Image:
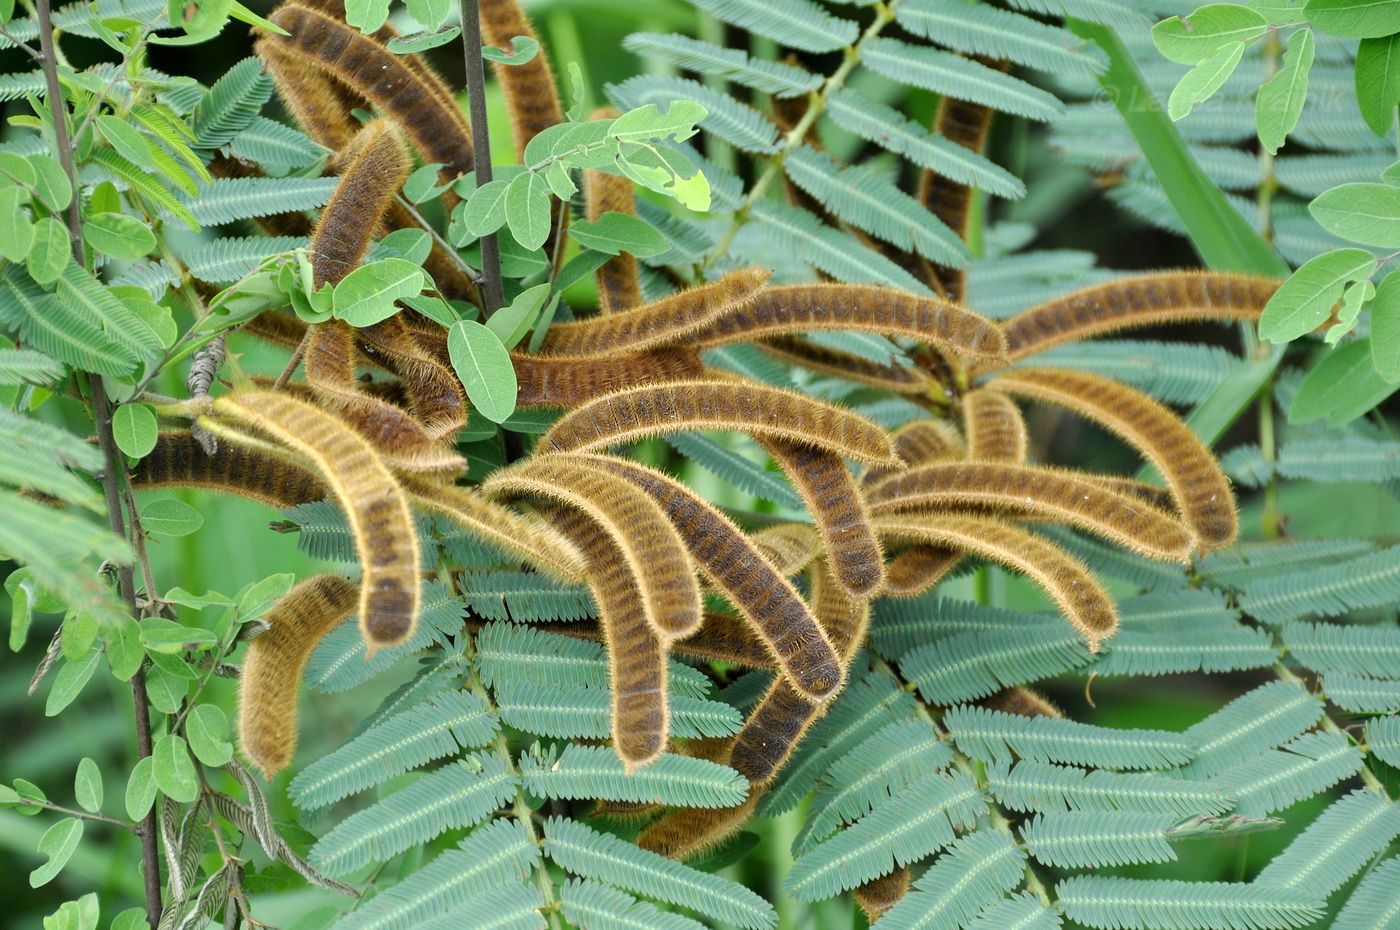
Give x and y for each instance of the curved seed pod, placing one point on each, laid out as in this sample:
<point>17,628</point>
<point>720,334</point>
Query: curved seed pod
<point>568,382</point>
<point>664,322</point>
<point>1056,494</point>
<point>1127,303</point>
<point>837,507</point>
<point>917,569</point>
<point>995,429</point>
<point>267,689</point>
<point>791,547</point>
<point>898,378</point>
<point>1068,582</point>
<point>531,541</point>
<point>320,105</point>
<point>876,897</point>
<point>179,461</point>
<point>374,168</point>
<point>529,89</point>
<point>720,404</point>
<point>330,359</point>
<point>371,71</point>
<point>967,124</point>
<point>1022,701</point>
<point>654,551</point>
<point>1150,494</point>
<point>1200,488</point>
<point>619,285</point>
<point>636,654</point>
<point>724,638</point>
<point>376,507</point>
<point>280,329</point>
<point>918,443</point>
<point>801,308</point>
<point>770,604</point>
<point>434,393</point>
<point>775,726</point>
<point>687,832</point>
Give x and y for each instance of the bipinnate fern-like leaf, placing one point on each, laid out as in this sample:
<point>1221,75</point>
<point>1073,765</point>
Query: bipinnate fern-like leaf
<point>599,907</point>
<point>653,551</point>
<point>801,648</point>
<point>977,871</point>
<point>994,427</point>
<point>1361,694</point>
<point>1055,494</point>
<point>1128,303</point>
<point>1194,476</point>
<point>568,381</point>
<point>438,130</point>
<point>1375,904</point>
<point>1278,778</point>
<point>178,460</point>
<point>268,690</point>
<point>1000,34</point>
<point>1094,839</point>
<point>1369,580</point>
<point>975,665</point>
<point>594,772</point>
<point>804,308</point>
<point>1137,904</point>
<point>681,406</point>
<point>916,823</point>
<point>377,508</point>
<point>960,78</point>
<point>1050,788</point>
<point>374,167</point>
<point>1335,846</point>
<point>588,854</point>
<point>993,736</point>
<point>1252,723</point>
<point>665,322</point>
<point>438,727</point>
<point>460,794</point>
<point>1068,582</point>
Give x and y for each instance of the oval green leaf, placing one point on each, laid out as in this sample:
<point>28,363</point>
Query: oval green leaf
<point>135,430</point>
<point>1364,212</point>
<point>1306,299</point>
<point>483,365</point>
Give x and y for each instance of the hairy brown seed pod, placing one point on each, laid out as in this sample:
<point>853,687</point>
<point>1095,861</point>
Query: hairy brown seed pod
<point>678,406</point>
<point>837,507</point>
<point>1048,493</point>
<point>791,547</point>
<point>995,429</point>
<point>794,637</point>
<point>1068,582</point>
<point>371,71</point>
<point>374,167</point>
<point>1144,300</point>
<point>177,460</point>
<point>280,329</point>
<point>1022,701</point>
<point>531,98</point>
<point>664,322</point>
<point>320,104</point>
<point>434,393</point>
<point>267,690</point>
<point>800,308</point>
<point>570,381</point>
<point>636,654</point>
<point>645,539</point>
<point>330,370</point>
<point>1200,488</point>
<point>386,539</point>
<point>1161,498</point>
<point>919,443</point>
<point>619,284</point>
<point>917,569</point>
<point>878,896</point>
<point>528,539</point>
<point>900,379</point>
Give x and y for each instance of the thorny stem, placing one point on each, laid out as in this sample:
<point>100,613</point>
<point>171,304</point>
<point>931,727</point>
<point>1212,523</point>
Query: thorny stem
<point>114,473</point>
<point>884,15</point>
<point>492,296</point>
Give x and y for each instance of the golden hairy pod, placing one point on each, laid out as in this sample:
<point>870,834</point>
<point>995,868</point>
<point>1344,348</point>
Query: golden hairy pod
<point>901,379</point>
<point>686,832</point>
<point>330,361</point>
<point>636,654</point>
<point>801,308</point>
<point>435,125</point>
<point>567,381</point>
<point>619,282</point>
<point>372,170</point>
<point>839,510</point>
<point>919,443</point>
<point>1022,701</point>
<point>718,404</point>
<point>433,391</point>
<point>531,97</point>
<point>1045,493</point>
<point>917,569</point>
<point>374,504</point>
<point>1200,488</point>
<point>267,689</point>
<point>530,540</point>
<point>320,104</point>
<point>791,547</point>
<point>994,427</point>
<point>1144,300</point>
<point>799,648</point>
<point>726,638</point>
<point>642,535</point>
<point>878,896</point>
<point>1068,582</point>
<point>178,461</point>
<point>668,321</point>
